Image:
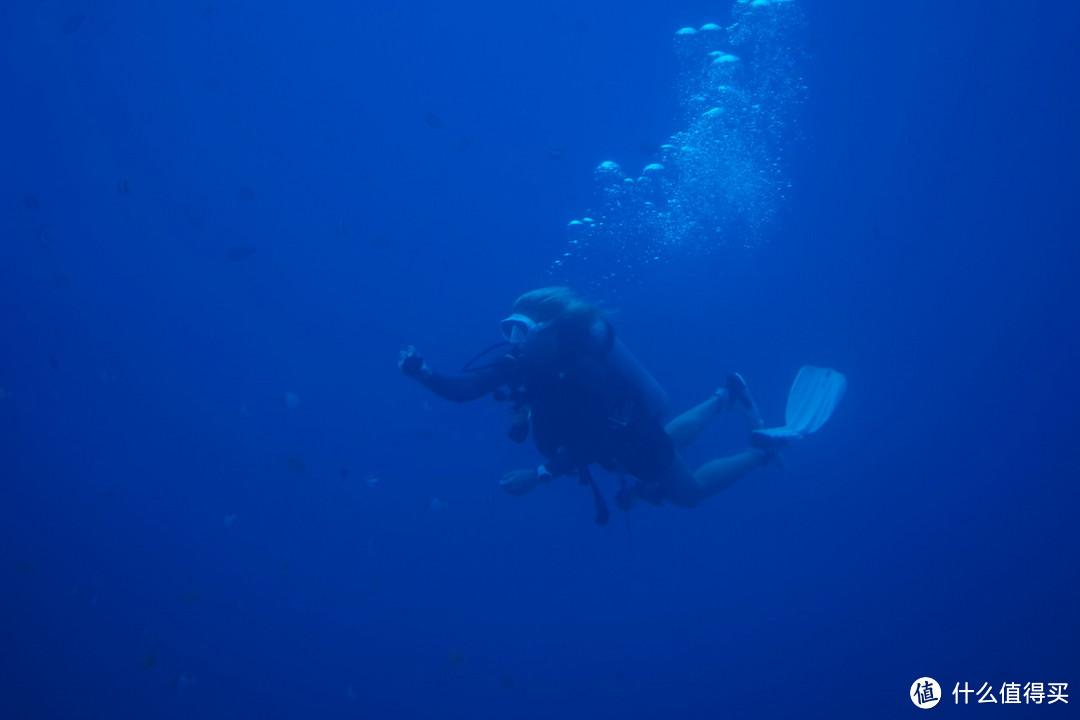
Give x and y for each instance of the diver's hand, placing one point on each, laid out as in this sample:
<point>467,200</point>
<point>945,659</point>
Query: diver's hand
<point>412,365</point>
<point>519,482</point>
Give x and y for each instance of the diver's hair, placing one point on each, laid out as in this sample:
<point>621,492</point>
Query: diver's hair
<point>573,316</point>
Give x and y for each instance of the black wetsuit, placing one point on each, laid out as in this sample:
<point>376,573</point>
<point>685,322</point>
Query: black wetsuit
<point>581,413</point>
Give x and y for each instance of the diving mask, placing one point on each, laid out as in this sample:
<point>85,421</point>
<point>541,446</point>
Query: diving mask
<point>518,328</point>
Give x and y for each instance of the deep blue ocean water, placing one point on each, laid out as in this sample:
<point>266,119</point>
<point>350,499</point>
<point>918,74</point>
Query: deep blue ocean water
<point>208,205</point>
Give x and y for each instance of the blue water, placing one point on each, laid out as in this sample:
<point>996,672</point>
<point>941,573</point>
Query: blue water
<point>208,205</point>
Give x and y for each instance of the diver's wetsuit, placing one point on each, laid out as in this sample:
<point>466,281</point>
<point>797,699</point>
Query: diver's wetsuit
<point>581,413</point>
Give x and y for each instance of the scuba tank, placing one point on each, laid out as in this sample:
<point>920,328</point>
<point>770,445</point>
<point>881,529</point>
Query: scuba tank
<point>618,360</point>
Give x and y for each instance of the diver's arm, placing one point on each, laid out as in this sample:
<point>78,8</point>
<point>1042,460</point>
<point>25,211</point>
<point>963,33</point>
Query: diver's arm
<point>456,388</point>
<point>519,482</point>
<point>464,388</point>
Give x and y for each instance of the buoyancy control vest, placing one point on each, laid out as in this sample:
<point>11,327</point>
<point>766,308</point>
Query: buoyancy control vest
<point>573,401</point>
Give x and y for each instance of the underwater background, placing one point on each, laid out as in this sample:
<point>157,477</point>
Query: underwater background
<point>223,220</point>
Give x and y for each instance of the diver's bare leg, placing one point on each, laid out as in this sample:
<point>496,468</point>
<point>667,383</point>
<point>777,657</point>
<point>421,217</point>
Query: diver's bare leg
<point>722,473</point>
<point>687,489</point>
<point>685,428</point>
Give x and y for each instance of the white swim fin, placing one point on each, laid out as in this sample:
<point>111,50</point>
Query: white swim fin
<point>814,395</point>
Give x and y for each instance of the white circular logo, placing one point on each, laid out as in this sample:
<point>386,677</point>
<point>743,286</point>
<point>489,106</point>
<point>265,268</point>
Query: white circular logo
<point>925,693</point>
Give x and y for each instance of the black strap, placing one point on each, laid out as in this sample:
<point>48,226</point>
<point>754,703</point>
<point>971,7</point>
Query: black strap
<point>468,367</point>
<point>602,512</point>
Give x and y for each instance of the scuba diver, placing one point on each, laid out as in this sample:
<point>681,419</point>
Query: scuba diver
<point>588,401</point>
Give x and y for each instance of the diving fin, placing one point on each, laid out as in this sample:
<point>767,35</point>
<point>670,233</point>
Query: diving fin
<point>813,396</point>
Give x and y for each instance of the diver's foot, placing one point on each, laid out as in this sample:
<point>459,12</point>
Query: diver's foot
<point>765,457</point>
<point>772,439</point>
<point>740,398</point>
<point>769,444</point>
<point>723,399</point>
<point>769,456</point>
